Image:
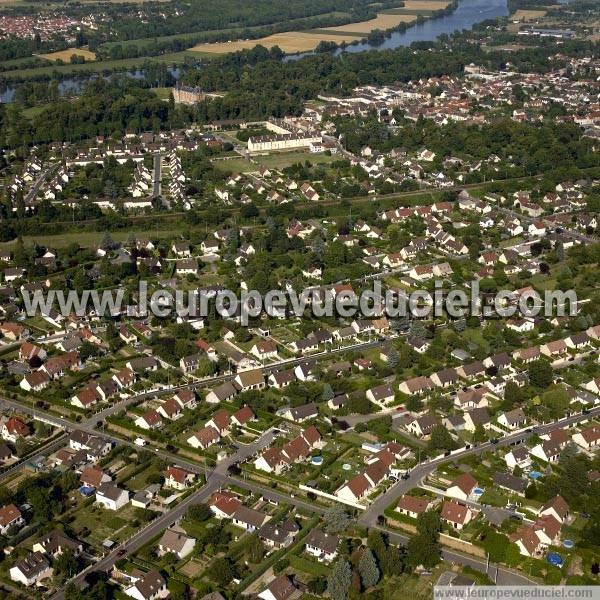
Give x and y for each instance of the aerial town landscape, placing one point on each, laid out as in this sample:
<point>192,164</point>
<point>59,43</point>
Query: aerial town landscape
<point>281,163</point>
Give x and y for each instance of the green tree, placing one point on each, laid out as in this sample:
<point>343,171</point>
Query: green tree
<point>221,571</point>
<point>540,373</point>
<point>556,402</point>
<point>66,565</point>
<point>367,568</point>
<point>495,544</point>
<point>441,439</point>
<point>328,393</point>
<point>199,512</point>
<point>255,550</point>
<point>414,404</point>
<point>393,358</point>
<point>339,580</point>
<point>424,547</point>
<point>336,519</point>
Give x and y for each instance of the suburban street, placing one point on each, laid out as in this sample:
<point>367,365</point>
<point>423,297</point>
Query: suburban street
<point>503,576</point>
<point>92,422</point>
<point>370,516</point>
<point>219,477</point>
<point>156,187</point>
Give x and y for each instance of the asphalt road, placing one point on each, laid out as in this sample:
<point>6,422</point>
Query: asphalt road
<point>90,423</point>
<point>33,191</point>
<point>157,176</point>
<point>215,479</point>
<point>581,237</point>
<point>370,516</point>
<point>218,477</point>
<point>499,574</point>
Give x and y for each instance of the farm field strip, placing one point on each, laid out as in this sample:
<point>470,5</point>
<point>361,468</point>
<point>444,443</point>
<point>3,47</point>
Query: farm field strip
<point>65,55</point>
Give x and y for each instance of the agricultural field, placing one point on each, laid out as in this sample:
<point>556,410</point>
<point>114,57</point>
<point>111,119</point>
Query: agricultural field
<point>382,22</point>
<point>304,41</point>
<point>289,41</point>
<point>425,4</point>
<point>65,55</point>
<point>528,15</point>
<point>88,239</point>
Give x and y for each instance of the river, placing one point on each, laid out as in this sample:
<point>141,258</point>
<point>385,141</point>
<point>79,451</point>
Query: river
<point>467,14</point>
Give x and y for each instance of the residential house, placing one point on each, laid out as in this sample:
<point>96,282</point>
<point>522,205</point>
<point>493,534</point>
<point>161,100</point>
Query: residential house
<point>510,483</point>
<point>151,419</point>
<point>204,438</point>
<point>513,419</point>
<point>557,507</point>
<point>455,514</point>
<point>55,543</point>
<point>278,535</point>
<point>248,518</point>
<point>300,414</point>
<point>412,506</point>
<point>462,487</point>
<point>381,394</point>
<point>14,429</point>
<point>10,517</point>
<point>223,504</point>
<point>112,497</point>
<point>177,543</point>
<point>477,417</point>
<point>588,438</point>
<point>94,477</point>
<point>31,569</point>
<point>518,457</point>
<point>222,393</point>
<point>416,385</point>
<point>281,588</point>
<point>178,479</point>
<point>250,380</point>
<point>150,586</point>
<point>323,546</point>
<point>422,426</point>
<point>242,416</point>
<point>554,349</point>
<point>445,378</point>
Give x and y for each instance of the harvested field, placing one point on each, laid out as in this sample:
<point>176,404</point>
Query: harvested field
<point>528,15</point>
<point>65,55</point>
<point>305,41</point>
<point>425,4</point>
<point>382,22</point>
<point>290,42</point>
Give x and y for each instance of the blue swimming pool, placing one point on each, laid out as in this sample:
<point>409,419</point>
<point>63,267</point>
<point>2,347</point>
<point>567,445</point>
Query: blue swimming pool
<point>555,559</point>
